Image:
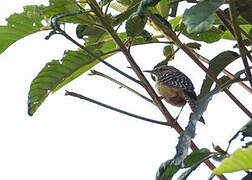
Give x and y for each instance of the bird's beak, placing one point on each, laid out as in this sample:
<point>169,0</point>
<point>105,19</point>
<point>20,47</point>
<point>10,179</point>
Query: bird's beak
<point>149,71</point>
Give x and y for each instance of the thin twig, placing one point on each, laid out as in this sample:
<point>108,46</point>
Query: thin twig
<point>114,109</point>
<point>237,33</point>
<point>94,72</point>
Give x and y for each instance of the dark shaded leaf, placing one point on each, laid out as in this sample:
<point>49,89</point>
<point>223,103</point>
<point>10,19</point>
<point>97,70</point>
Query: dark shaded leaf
<point>124,2</point>
<point>167,170</point>
<point>196,156</point>
<point>126,14</point>
<point>185,174</point>
<point>245,8</point>
<point>173,8</point>
<point>168,50</point>
<point>216,65</point>
<point>199,18</point>
<point>145,4</point>
<point>164,7</point>
<point>135,25</point>
<point>93,34</point>
<point>194,45</point>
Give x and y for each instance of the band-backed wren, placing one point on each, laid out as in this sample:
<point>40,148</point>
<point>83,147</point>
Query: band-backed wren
<point>175,87</point>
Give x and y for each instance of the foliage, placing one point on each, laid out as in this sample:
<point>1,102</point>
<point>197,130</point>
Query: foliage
<point>202,22</point>
<point>241,159</point>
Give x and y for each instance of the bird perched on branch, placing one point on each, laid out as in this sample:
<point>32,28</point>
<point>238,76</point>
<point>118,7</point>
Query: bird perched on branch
<point>175,87</point>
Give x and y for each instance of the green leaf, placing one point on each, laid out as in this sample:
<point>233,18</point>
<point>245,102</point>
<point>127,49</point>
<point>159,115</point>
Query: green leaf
<point>20,25</point>
<point>194,45</point>
<point>216,65</point>
<point>227,34</point>
<point>60,6</point>
<point>164,8</point>
<point>245,8</point>
<point>166,170</point>
<point>125,15</point>
<point>196,156</point>
<point>200,17</point>
<point>241,159</point>
<point>135,25</point>
<point>175,22</point>
<point>93,34</point>
<point>168,50</point>
<point>56,74</point>
<point>210,36</point>
<point>28,22</point>
<point>144,4</point>
<point>185,174</point>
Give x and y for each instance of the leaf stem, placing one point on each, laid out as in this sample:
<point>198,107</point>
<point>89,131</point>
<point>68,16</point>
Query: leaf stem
<point>68,93</point>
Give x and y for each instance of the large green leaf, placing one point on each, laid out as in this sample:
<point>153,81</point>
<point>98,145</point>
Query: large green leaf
<point>210,36</point>
<point>241,159</point>
<point>199,18</point>
<point>216,65</point>
<point>56,74</point>
<point>20,25</point>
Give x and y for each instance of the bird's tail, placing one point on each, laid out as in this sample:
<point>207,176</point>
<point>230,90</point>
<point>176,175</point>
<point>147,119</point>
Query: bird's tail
<point>191,98</point>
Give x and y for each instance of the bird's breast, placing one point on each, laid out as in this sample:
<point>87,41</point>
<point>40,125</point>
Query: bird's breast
<point>172,95</point>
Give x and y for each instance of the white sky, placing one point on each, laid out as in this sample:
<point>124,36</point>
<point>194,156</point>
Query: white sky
<point>68,138</point>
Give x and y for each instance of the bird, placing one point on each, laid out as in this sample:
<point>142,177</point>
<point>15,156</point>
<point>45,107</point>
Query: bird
<point>175,87</point>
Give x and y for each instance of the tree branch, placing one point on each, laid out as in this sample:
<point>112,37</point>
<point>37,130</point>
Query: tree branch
<point>68,93</point>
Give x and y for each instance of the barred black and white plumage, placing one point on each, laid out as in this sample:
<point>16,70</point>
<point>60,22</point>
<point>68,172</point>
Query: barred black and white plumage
<point>174,86</point>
